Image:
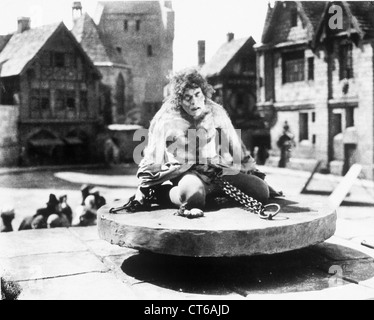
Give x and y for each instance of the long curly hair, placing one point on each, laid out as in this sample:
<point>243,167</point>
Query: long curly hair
<point>185,79</point>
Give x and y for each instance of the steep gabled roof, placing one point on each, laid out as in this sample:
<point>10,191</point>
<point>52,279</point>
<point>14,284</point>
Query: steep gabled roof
<point>98,47</point>
<point>360,15</point>
<point>223,56</point>
<point>310,13</point>
<point>4,40</point>
<point>363,11</point>
<point>23,47</point>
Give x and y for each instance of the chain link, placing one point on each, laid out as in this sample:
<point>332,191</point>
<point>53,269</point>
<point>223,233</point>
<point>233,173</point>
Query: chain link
<point>249,203</point>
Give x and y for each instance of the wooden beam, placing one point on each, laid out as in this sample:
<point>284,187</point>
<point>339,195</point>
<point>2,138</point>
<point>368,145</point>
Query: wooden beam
<point>341,191</point>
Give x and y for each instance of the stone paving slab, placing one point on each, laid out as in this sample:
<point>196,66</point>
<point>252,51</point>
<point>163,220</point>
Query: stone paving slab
<point>90,286</point>
<point>52,265</point>
<point>85,233</point>
<point>348,229</point>
<point>103,248</point>
<point>347,292</point>
<point>42,241</point>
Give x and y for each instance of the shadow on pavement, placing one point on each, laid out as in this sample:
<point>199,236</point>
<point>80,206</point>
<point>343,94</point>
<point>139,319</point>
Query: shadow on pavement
<point>302,270</point>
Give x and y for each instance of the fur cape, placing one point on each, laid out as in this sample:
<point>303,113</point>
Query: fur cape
<point>167,154</point>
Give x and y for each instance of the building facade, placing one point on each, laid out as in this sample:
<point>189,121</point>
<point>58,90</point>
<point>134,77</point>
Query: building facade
<point>315,71</point>
<point>116,99</point>
<point>142,32</point>
<point>232,73</point>
<point>47,76</point>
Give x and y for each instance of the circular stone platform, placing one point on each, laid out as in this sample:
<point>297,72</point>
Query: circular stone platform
<point>224,233</point>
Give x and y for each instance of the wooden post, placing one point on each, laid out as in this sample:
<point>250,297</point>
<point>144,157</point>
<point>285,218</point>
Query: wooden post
<point>341,191</point>
<point>311,177</point>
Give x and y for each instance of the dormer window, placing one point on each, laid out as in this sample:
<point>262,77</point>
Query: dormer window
<point>345,61</point>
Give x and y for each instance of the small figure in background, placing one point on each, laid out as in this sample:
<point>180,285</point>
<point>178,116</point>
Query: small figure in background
<point>85,190</point>
<point>99,199</point>
<point>58,221</point>
<point>65,208</point>
<point>86,215</point>
<point>7,216</point>
<point>262,155</point>
<point>285,143</point>
<point>39,219</point>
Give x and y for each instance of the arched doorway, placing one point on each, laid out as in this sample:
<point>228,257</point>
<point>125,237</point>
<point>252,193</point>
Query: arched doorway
<point>44,148</point>
<point>77,149</point>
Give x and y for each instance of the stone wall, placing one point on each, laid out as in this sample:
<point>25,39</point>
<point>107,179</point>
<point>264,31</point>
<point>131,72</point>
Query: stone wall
<point>309,96</point>
<point>149,71</point>
<point>9,149</point>
<point>312,97</point>
<point>110,78</point>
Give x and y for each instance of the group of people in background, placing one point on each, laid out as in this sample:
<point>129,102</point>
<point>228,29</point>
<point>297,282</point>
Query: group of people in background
<point>57,213</point>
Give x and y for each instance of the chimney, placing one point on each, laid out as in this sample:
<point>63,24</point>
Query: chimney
<point>201,52</point>
<point>230,37</point>
<point>23,24</point>
<point>168,4</point>
<point>76,10</point>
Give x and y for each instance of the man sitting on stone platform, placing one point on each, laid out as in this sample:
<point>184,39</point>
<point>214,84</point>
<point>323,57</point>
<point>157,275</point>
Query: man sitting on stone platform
<point>194,148</point>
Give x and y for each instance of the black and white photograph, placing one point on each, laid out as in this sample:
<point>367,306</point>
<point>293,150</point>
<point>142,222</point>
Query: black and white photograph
<point>187,154</point>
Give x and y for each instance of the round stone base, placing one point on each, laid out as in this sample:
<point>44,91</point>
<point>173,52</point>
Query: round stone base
<point>227,232</point>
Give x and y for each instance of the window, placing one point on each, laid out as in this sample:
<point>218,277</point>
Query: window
<point>83,101</point>
<point>60,103</point>
<point>137,25</point>
<point>304,126</point>
<point>70,101</point>
<point>70,60</point>
<point>313,117</point>
<point>149,51</point>
<point>345,62</point>
<point>336,122</point>
<point>314,139</point>
<point>65,102</point>
<point>119,49</point>
<point>294,17</point>
<point>311,68</point>
<point>349,117</point>
<point>59,59</point>
<point>45,59</point>
<point>125,25</point>
<point>40,103</point>
<point>293,66</point>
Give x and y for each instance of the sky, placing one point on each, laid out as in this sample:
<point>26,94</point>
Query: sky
<point>195,20</point>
